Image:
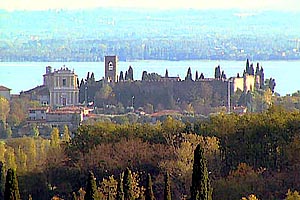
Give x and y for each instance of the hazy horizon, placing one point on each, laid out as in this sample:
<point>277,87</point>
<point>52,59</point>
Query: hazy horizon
<point>281,5</point>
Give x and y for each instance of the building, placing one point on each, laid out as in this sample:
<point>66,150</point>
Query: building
<point>38,114</point>
<point>5,92</point>
<point>250,80</point>
<point>60,88</point>
<point>69,115</point>
<point>62,85</point>
<point>40,94</point>
<point>111,64</point>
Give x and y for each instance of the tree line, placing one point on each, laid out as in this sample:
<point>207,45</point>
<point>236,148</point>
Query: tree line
<point>255,153</point>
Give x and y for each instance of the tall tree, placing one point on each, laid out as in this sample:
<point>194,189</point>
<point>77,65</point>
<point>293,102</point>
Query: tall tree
<point>189,75</point>
<point>167,192</point>
<point>120,192</point>
<point>251,69</point>
<point>2,179</point>
<point>91,188</point>
<point>54,142</point>
<point>200,189</point>
<point>4,109</point>
<point>196,76</point>
<point>11,186</point>
<point>121,77</point>
<point>130,73</point>
<point>66,134</point>
<point>127,185</point>
<point>218,72</point>
<point>10,158</point>
<point>92,79</point>
<point>247,66</point>
<point>149,191</point>
<point>167,74</point>
<point>144,76</point>
<point>201,76</point>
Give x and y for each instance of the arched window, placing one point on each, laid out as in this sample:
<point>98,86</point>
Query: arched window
<point>110,66</point>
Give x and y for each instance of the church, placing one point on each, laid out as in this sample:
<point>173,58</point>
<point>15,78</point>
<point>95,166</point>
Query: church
<point>60,88</point>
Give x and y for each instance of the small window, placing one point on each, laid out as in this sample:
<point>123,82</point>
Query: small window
<point>64,82</point>
<point>110,66</point>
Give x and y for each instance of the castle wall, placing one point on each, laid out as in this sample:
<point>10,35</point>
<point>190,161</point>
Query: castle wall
<point>169,93</point>
<point>245,84</point>
<point>238,83</point>
<point>249,83</point>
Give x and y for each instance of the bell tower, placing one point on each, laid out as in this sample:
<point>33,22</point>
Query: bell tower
<point>111,63</point>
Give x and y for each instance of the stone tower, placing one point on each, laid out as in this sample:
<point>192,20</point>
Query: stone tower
<point>111,63</point>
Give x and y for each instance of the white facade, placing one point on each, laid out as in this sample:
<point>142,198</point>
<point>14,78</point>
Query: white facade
<point>62,85</point>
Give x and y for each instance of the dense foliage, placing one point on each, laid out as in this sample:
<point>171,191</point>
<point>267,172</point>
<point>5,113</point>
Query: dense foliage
<point>249,154</point>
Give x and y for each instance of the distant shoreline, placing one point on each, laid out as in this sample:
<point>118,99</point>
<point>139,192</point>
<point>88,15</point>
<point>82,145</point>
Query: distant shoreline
<point>193,60</point>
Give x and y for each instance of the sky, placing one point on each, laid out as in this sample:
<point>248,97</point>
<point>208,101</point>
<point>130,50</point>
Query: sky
<point>286,5</point>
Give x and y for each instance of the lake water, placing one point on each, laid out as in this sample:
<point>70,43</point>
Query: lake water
<point>22,76</point>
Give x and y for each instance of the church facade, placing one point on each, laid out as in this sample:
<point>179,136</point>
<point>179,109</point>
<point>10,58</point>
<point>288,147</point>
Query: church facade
<point>62,85</point>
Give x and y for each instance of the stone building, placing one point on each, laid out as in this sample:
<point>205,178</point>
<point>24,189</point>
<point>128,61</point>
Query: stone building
<point>5,92</point>
<point>250,80</point>
<point>38,114</point>
<point>62,86</point>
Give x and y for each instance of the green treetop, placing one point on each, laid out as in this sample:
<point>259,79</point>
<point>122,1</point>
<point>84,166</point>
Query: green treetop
<point>54,137</point>
<point>66,134</point>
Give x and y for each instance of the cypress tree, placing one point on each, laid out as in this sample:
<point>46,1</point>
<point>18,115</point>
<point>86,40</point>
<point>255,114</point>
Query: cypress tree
<point>127,185</point>
<point>149,191</point>
<point>144,76</point>
<point>130,73</point>
<point>167,74</point>
<point>189,75</point>
<point>11,186</point>
<point>218,72</point>
<point>121,77</point>
<point>247,66</point>
<point>74,196</point>
<point>200,189</point>
<point>120,192</point>
<point>201,76</point>
<point>196,76</point>
<point>2,179</point>
<point>91,188</point>
<point>167,192</point>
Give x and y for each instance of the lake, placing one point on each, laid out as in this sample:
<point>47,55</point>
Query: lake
<point>22,76</point>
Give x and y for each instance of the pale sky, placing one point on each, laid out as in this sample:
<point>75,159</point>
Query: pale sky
<point>286,5</point>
